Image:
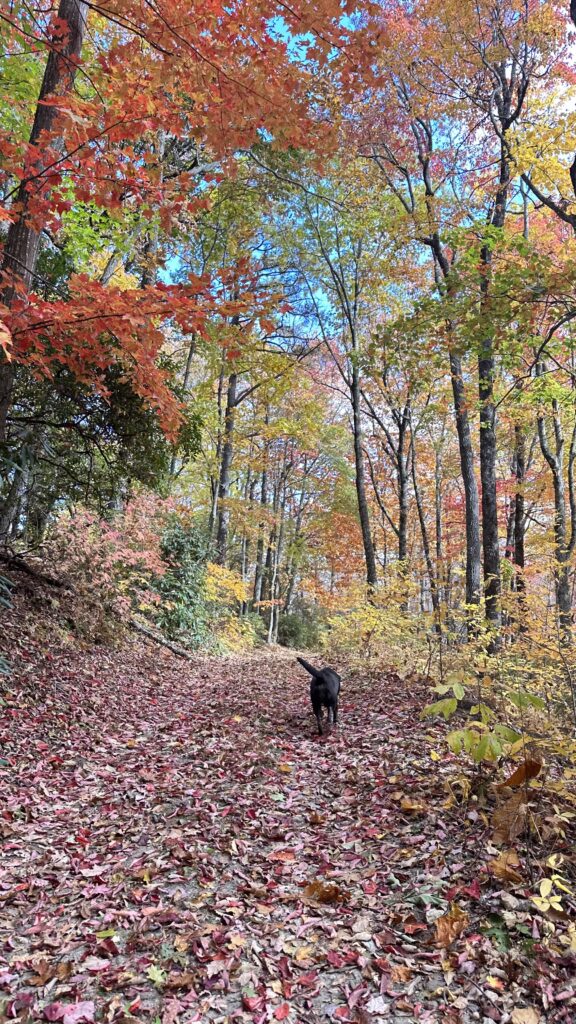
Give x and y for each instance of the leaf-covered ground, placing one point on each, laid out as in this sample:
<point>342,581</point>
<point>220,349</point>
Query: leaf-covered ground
<point>179,845</point>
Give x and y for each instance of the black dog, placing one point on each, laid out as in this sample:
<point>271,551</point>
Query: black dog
<point>324,690</point>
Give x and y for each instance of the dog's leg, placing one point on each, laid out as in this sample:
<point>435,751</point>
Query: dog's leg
<point>319,720</point>
<point>335,714</point>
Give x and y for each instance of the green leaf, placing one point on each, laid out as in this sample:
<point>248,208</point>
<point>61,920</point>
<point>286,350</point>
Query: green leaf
<point>456,741</point>
<point>458,691</point>
<point>506,733</point>
<point>444,707</point>
<point>523,700</point>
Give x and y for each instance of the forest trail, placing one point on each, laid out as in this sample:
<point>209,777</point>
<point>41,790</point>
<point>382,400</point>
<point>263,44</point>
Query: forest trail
<point>179,845</point>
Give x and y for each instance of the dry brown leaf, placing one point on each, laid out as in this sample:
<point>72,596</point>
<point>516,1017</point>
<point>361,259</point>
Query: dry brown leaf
<point>504,867</point>
<point>45,972</point>
<point>317,893</point>
<point>401,973</point>
<point>451,925</point>
<point>180,979</point>
<point>317,819</point>
<point>509,819</point>
<point>529,769</point>
<point>283,856</point>
<point>412,806</point>
<point>525,1015</point>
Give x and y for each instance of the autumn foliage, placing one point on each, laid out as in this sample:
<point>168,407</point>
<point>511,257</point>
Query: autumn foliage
<point>287,358</point>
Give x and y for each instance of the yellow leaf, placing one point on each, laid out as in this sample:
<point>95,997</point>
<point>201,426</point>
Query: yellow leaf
<point>5,340</point>
<point>546,886</point>
<point>286,768</point>
<point>495,983</point>
<point>569,939</point>
<point>304,952</point>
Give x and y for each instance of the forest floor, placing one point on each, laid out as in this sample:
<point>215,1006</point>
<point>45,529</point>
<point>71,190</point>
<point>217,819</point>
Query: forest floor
<point>179,845</point>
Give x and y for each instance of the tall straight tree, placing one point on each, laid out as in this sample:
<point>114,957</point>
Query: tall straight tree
<point>23,241</point>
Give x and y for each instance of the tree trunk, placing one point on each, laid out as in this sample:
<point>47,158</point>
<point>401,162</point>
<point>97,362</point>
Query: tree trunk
<point>223,513</point>
<point>23,241</point>
<point>519,508</point>
<point>402,511</point>
<point>490,541</point>
<point>425,540</point>
<point>259,567</point>
<point>218,455</point>
<point>185,386</point>
<point>438,523</point>
<point>275,581</point>
<point>293,566</point>
<point>562,548</point>
<point>360,479</point>
<point>486,374</point>
<point>472,508</point>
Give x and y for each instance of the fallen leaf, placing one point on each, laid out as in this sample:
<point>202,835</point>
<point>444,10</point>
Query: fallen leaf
<point>496,984</point>
<point>70,1013</point>
<point>283,856</point>
<point>509,819</point>
<point>319,893</point>
<point>401,973</point>
<point>525,1015</point>
<point>410,806</point>
<point>529,769</point>
<point>180,979</point>
<point>504,867</point>
<point>303,953</point>
<point>451,925</point>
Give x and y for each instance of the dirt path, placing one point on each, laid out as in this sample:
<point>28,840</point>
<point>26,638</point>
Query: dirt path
<point>180,846</point>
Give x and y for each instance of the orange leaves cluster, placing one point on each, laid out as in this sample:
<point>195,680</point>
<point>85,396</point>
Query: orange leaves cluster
<point>209,80</point>
<point>99,326</point>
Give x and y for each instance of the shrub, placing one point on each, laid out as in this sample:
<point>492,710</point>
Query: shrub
<point>227,594</point>
<point>182,613</point>
<point>380,631</point>
<point>109,565</point>
<point>302,628</point>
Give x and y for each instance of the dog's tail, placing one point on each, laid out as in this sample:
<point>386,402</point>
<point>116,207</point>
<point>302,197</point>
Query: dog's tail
<point>309,668</point>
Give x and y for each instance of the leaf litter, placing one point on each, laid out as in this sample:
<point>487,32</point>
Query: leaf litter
<point>178,845</point>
